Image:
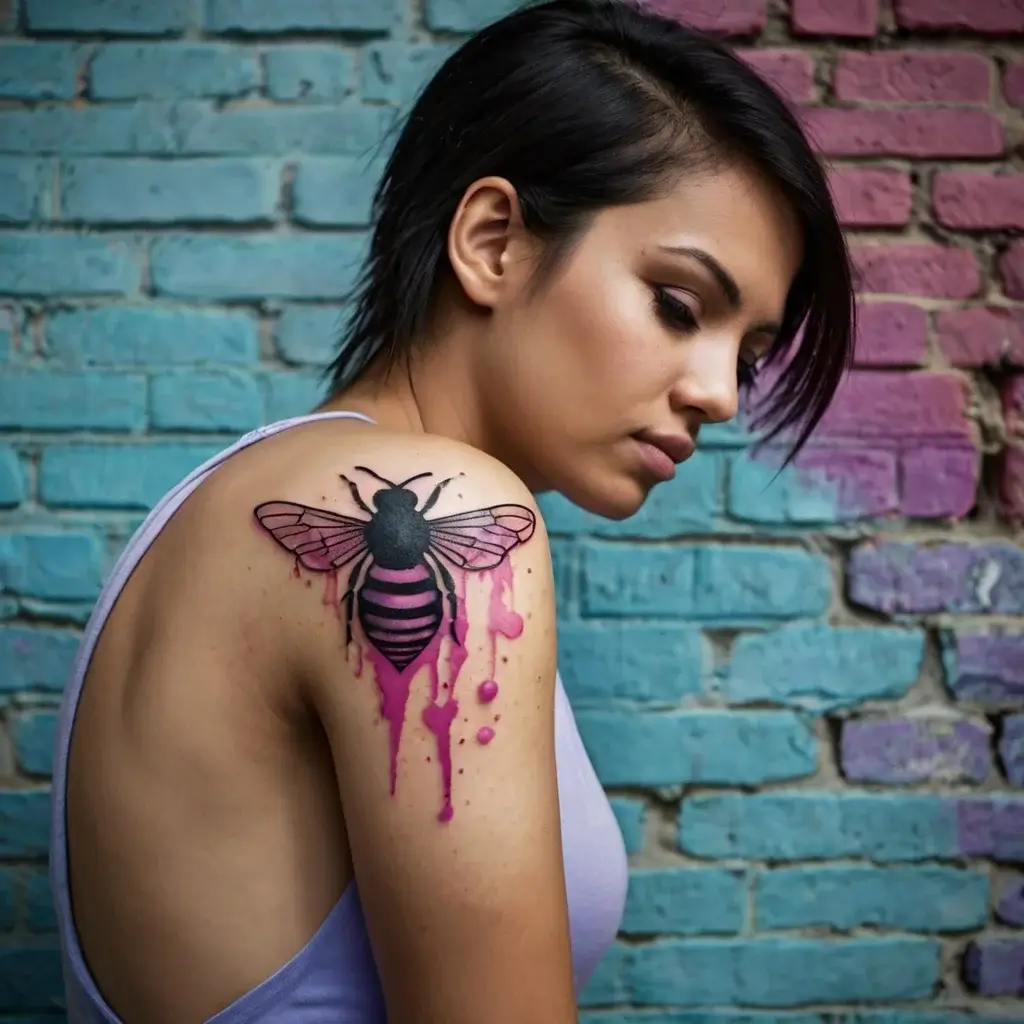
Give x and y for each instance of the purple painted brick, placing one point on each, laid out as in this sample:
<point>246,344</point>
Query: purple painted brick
<point>939,482</point>
<point>1011,748</point>
<point>1010,908</point>
<point>909,750</point>
<point>991,828</point>
<point>987,667</point>
<point>904,578</point>
<point>863,482</point>
<point>995,968</point>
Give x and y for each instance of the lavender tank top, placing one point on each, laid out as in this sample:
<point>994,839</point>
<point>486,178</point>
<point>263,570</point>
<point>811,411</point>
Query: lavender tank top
<point>333,978</point>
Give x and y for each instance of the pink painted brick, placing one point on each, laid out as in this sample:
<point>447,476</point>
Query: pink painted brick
<point>983,16</point>
<point>868,197</point>
<point>913,76</point>
<point>891,334</point>
<point>1012,395</point>
<point>913,405</point>
<point>1013,84</point>
<point>732,18</point>
<point>904,131</point>
<point>975,201</point>
<point>789,72</point>
<point>916,268</point>
<point>1011,270</point>
<point>864,482</point>
<point>981,336</point>
<point>1011,484</point>
<point>834,17</point>
<point>939,483</point>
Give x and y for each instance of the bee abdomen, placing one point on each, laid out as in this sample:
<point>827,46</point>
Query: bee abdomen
<point>400,611</point>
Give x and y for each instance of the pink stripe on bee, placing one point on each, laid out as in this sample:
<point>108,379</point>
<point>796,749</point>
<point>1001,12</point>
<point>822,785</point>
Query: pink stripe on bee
<point>384,600</point>
<point>413,575</point>
<point>382,622</point>
<point>387,636</point>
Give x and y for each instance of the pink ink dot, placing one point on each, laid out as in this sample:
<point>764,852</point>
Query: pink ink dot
<point>487,691</point>
<point>485,735</point>
<point>446,814</point>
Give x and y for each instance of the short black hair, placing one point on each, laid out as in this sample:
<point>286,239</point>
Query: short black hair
<point>583,105</point>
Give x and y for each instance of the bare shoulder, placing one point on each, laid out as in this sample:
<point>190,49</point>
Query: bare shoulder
<point>431,660</point>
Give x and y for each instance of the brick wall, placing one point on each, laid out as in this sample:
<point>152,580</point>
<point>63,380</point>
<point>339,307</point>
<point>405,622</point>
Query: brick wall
<point>805,694</point>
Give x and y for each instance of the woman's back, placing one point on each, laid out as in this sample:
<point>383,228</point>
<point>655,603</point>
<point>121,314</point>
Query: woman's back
<point>209,850</point>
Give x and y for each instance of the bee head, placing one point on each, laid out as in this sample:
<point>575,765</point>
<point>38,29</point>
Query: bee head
<point>394,498</point>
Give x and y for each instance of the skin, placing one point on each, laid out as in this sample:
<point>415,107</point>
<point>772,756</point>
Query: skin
<point>229,771</point>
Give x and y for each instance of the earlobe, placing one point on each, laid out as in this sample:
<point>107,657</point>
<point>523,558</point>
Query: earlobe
<point>480,238</point>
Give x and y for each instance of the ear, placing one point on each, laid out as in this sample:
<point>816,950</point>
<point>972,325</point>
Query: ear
<point>485,241</point>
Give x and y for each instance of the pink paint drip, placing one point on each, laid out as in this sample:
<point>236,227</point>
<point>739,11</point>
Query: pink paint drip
<point>485,735</point>
<point>487,691</point>
<point>501,620</point>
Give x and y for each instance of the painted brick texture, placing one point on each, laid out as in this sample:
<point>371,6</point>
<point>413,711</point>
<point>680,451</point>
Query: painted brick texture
<point>804,691</point>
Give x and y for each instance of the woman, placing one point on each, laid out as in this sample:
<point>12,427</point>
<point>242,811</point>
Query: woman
<point>322,768</point>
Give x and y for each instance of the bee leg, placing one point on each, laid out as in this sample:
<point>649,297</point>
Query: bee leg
<point>356,496</point>
<point>434,495</point>
<point>449,589</point>
<point>349,596</point>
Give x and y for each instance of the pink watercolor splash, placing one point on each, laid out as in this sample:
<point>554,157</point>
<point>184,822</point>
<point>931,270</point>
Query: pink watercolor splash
<point>394,685</point>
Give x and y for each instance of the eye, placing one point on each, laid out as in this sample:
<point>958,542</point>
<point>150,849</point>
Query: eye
<point>673,313</point>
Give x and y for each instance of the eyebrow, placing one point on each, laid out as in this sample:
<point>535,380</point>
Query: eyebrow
<point>724,279</point>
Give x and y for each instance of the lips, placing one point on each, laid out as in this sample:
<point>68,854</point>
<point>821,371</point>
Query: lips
<point>678,447</point>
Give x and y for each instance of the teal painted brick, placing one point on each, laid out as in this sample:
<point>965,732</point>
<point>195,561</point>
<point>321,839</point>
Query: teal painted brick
<point>151,336</point>
<point>919,899</point>
<point>35,658</point>
<point>150,128</point>
<point>23,185</point>
<point>39,902</point>
<point>565,567</point>
<point>313,74</point>
<point>284,267</point>
<point>685,901</point>
<point>397,72</point>
<point>25,815</point>
<point>607,984</point>
<point>210,191</point>
<point>114,17</point>
<point>193,128</point>
<point>116,476</point>
<point>7,324</point>
<point>33,733</point>
<point>345,128</point>
<point>8,898</point>
<point>707,582</point>
<point>30,980</point>
<point>335,192</point>
<point>225,400</point>
<point>781,972</point>
<point>734,582</point>
<point>35,400</point>
<point>309,336</point>
<point>168,71</point>
<point>625,580</point>
<point>39,71</point>
<point>631,661</point>
<point>808,825</point>
<point>821,668</point>
<point>260,16</point>
<point>65,265</point>
<point>290,394</point>
<point>630,814</point>
<point>716,747</point>
<point>66,566</point>
<point>12,478</point>
<point>466,15</point>
<point>686,505</point>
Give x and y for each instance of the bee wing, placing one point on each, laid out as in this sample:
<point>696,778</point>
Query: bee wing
<point>320,540</point>
<point>481,539</point>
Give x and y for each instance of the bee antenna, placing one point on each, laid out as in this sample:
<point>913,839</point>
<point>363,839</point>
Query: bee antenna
<point>383,480</point>
<point>418,476</point>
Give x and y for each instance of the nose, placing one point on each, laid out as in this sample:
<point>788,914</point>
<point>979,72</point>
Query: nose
<point>708,383</point>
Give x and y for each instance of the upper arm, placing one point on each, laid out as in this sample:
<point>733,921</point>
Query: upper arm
<point>450,793</point>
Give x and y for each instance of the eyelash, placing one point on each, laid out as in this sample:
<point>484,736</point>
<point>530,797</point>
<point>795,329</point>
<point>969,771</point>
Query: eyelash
<point>678,316</point>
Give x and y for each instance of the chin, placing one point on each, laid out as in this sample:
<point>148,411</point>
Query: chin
<point>615,498</point>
